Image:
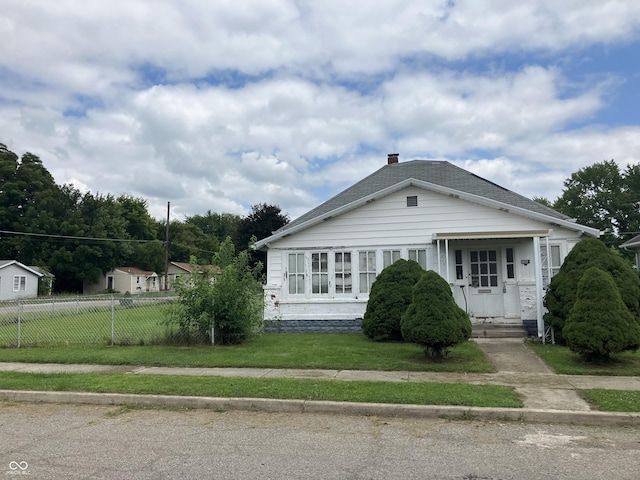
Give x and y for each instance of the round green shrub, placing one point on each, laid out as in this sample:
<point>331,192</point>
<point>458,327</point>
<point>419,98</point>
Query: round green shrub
<point>588,253</point>
<point>389,298</point>
<point>599,323</point>
<point>434,320</point>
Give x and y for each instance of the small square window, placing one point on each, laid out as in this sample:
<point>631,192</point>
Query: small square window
<point>412,201</point>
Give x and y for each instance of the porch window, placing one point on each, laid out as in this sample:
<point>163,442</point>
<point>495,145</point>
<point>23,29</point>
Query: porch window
<point>550,264</point>
<point>419,255</point>
<point>389,257</point>
<point>343,279</point>
<point>319,273</point>
<point>459,271</point>
<point>484,268</point>
<point>511,273</point>
<point>367,264</point>
<point>296,273</point>
<point>19,283</point>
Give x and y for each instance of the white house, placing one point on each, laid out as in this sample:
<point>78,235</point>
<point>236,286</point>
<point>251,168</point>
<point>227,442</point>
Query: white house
<point>125,279</point>
<point>497,249</point>
<point>18,280</point>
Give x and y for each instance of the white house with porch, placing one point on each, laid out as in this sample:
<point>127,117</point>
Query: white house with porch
<point>497,249</point>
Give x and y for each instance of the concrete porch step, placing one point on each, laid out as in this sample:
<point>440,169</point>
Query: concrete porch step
<point>498,330</point>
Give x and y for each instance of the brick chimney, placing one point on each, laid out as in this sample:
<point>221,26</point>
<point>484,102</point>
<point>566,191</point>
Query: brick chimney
<point>392,158</point>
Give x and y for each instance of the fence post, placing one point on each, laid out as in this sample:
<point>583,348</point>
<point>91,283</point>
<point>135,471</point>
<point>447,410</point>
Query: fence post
<point>113,320</point>
<point>19,322</point>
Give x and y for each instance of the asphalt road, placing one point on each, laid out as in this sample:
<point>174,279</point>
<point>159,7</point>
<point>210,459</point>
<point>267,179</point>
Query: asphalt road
<point>56,441</point>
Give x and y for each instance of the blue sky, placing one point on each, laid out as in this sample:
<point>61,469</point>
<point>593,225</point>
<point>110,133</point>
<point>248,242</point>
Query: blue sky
<point>217,105</point>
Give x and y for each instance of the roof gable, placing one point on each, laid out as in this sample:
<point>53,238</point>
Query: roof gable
<point>7,263</point>
<point>436,175</point>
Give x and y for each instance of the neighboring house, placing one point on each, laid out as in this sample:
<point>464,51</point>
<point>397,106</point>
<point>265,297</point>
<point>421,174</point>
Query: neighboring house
<point>125,279</point>
<point>180,269</point>
<point>634,245</point>
<point>497,249</point>
<point>18,280</point>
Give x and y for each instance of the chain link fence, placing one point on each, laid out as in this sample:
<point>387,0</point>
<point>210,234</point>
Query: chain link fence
<point>110,320</point>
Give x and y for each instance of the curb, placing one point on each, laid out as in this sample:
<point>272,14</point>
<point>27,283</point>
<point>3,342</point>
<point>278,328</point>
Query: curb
<point>327,407</point>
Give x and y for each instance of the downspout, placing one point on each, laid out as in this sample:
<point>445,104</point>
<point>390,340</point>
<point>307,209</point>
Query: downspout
<point>537,266</point>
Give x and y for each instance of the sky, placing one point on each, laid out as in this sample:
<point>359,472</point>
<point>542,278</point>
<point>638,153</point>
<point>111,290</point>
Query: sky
<point>219,105</point>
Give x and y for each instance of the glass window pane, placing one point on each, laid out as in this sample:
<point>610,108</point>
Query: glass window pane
<point>510,255</point>
<point>483,256</point>
<point>510,271</point>
<point>494,281</point>
<point>555,256</point>
<point>492,255</point>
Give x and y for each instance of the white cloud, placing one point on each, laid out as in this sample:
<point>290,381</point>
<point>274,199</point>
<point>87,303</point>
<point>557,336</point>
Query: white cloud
<point>222,105</point>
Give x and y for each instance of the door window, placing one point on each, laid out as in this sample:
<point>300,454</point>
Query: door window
<point>484,268</point>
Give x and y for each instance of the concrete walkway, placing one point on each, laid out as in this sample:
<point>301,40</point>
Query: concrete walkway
<point>545,394</point>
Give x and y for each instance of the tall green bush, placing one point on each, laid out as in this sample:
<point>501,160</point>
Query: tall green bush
<point>588,253</point>
<point>599,323</point>
<point>389,298</point>
<point>434,320</point>
<point>228,297</point>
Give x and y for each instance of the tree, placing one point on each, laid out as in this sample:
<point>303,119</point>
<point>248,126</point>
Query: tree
<point>390,296</point>
<point>588,253</point>
<point>598,196</point>
<point>599,323</point>
<point>260,223</point>
<point>434,320</point>
<point>218,225</point>
<point>229,299</point>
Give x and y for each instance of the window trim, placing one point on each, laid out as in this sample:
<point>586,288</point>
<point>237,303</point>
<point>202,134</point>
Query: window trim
<point>19,283</point>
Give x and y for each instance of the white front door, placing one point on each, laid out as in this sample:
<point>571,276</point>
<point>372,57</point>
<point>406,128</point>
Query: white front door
<point>485,283</point>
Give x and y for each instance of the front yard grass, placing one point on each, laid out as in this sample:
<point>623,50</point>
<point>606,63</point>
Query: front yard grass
<point>565,362</point>
<point>613,400</point>
<point>303,351</point>
<point>418,393</point>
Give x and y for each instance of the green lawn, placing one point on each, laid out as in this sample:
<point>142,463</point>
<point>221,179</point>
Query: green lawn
<point>286,388</point>
<point>326,351</point>
<point>78,323</point>
<point>565,362</point>
<point>613,400</point>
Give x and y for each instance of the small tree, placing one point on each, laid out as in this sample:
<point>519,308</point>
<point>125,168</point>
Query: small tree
<point>599,323</point>
<point>228,297</point>
<point>389,298</point>
<point>433,319</point>
<point>588,253</point>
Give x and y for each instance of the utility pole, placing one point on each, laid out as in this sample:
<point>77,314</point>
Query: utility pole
<point>166,251</point>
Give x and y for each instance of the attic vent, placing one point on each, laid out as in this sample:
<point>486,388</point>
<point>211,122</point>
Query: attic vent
<point>412,201</point>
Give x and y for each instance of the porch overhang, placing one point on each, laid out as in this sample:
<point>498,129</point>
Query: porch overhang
<point>491,235</point>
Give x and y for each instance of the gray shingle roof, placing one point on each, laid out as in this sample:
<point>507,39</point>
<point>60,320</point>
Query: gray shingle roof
<point>438,172</point>
<point>634,242</point>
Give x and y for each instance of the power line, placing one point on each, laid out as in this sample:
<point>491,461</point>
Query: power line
<point>73,237</point>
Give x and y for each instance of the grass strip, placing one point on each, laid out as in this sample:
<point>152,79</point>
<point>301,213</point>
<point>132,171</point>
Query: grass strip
<point>419,393</point>
<point>323,351</point>
<point>565,362</point>
<point>613,400</point>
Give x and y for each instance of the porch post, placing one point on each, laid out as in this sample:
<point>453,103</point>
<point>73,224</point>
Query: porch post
<point>537,267</point>
<point>446,252</point>
<point>438,253</point>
